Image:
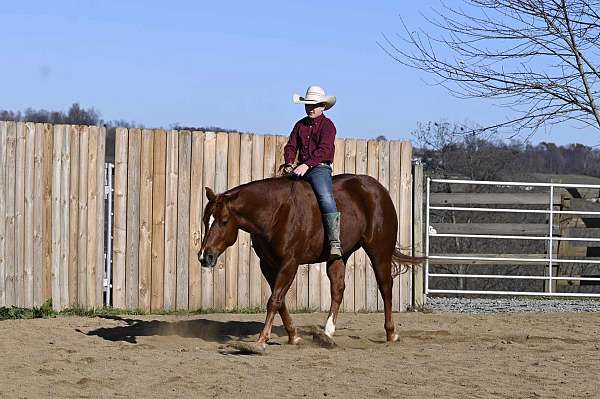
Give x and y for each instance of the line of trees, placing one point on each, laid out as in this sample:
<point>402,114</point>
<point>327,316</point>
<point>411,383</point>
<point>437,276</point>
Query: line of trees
<point>448,153</point>
<point>75,115</point>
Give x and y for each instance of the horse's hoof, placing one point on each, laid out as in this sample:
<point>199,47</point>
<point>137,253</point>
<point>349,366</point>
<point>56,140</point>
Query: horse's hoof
<point>393,337</point>
<point>295,340</point>
<point>323,340</point>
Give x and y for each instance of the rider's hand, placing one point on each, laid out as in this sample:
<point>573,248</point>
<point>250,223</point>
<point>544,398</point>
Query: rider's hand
<point>301,169</point>
<point>286,169</point>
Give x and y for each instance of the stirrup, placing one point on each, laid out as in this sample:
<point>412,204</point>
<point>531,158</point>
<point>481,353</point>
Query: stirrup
<point>335,250</point>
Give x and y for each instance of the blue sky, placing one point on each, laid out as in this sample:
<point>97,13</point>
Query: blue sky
<point>233,64</point>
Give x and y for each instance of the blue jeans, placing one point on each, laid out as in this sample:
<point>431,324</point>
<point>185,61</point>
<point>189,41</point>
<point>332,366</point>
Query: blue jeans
<point>321,181</point>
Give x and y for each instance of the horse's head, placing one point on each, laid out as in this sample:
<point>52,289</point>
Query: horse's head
<point>220,226</point>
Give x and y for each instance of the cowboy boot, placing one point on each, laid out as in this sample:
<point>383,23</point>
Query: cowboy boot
<point>332,224</point>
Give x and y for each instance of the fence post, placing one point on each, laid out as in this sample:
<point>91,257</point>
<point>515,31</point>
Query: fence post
<point>418,291</point>
<point>405,227</point>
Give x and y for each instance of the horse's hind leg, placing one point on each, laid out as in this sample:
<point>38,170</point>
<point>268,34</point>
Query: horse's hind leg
<point>382,266</point>
<point>336,272</point>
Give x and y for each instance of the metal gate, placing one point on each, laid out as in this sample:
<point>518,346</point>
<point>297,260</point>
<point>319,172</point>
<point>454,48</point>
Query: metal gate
<point>109,170</point>
<point>546,262</point>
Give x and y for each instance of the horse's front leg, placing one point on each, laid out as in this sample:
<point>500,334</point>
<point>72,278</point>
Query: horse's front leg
<point>336,272</point>
<point>283,281</point>
<point>270,274</point>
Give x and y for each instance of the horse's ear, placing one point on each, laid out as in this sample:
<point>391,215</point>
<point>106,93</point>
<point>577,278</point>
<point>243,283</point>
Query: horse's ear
<point>210,194</point>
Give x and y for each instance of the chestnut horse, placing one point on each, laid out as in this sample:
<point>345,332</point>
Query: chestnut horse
<point>285,223</point>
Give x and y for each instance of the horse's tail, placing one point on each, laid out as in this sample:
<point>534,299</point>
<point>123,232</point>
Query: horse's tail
<point>401,262</point>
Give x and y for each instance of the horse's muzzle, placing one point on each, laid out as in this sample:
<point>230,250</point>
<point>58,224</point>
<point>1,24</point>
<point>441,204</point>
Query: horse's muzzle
<point>207,259</point>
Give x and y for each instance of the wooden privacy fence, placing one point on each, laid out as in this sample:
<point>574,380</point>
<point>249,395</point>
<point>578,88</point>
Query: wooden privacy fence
<point>53,230</point>
<point>51,214</point>
<point>159,199</point>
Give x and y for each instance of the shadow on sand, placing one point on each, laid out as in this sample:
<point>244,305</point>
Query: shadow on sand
<point>208,330</point>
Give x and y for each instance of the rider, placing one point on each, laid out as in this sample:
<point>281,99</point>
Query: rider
<point>313,139</point>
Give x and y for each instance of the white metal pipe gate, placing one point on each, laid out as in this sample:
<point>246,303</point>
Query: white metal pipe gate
<point>547,261</point>
<point>109,170</point>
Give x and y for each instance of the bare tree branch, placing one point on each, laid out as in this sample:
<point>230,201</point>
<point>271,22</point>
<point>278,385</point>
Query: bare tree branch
<point>538,58</point>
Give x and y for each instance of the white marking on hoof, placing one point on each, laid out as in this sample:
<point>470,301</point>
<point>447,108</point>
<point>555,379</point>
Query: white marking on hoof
<point>330,327</point>
<point>394,338</point>
<point>295,341</point>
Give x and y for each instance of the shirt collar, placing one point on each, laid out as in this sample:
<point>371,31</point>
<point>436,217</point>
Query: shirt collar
<point>316,120</point>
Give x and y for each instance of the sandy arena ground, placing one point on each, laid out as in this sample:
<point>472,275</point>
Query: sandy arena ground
<point>439,355</point>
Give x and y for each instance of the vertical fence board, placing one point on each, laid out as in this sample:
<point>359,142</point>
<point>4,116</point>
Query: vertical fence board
<point>360,257</point>
<point>183,219</point>
<point>47,166</point>
<point>3,194</point>
<point>220,187</point>
<point>338,159</point>
<point>10,271</point>
<point>159,160</point>
<point>82,239</point>
<point>133,219</point>
<point>73,261</point>
<point>101,158</point>
<point>28,215</point>
<point>20,215</point>
<point>172,172</point>
<point>349,167</point>
<point>208,178</point>
<point>65,176</point>
<point>145,249</point>
<point>255,278</point>
<point>120,221</point>
<point>38,213</point>
<point>196,194</point>
<point>38,217</point>
<point>395,194</point>
<point>92,208</point>
<point>244,237</point>
<point>56,190</point>
<point>231,254</point>
<point>405,212</point>
<point>269,171</point>
<point>280,142</point>
<point>92,216</point>
<point>418,299</point>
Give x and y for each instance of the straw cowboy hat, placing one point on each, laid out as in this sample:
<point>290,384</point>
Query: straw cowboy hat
<point>315,95</point>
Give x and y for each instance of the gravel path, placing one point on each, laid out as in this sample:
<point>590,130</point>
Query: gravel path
<point>515,305</point>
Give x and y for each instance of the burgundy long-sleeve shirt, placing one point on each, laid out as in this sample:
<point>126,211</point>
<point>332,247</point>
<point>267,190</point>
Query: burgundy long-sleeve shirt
<point>313,140</point>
